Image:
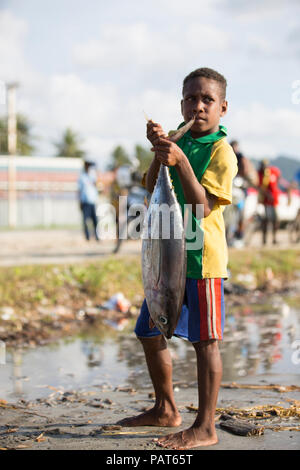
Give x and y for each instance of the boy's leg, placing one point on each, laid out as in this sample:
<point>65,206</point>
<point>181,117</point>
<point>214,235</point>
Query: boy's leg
<point>202,432</point>
<point>205,302</point>
<point>164,412</point>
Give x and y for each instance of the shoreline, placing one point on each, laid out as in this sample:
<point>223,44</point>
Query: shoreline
<point>34,330</point>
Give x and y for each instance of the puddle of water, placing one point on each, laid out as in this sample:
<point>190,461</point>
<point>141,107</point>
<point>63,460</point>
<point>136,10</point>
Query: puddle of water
<point>256,343</point>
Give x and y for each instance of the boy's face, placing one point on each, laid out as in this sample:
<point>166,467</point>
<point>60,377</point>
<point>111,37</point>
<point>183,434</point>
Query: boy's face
<point>202,98</point>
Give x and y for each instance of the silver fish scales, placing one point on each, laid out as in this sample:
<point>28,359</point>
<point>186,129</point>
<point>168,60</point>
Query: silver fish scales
<point>164,253</point>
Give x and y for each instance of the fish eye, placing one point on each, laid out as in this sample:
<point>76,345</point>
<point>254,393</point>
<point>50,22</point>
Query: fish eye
<point>163,320</point>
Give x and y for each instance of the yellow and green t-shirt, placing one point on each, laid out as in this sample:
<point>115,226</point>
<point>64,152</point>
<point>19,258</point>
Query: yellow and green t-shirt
<point>215,165</point>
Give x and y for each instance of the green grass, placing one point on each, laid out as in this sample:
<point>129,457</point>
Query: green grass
<point>285,264</point>
<point>26,287</point>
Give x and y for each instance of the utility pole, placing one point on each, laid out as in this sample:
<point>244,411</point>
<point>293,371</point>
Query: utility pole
<point>12,150</point>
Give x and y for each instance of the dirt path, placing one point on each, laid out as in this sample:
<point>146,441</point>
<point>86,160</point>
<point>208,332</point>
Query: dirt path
<point>55,246</point>
<point>69,246</point>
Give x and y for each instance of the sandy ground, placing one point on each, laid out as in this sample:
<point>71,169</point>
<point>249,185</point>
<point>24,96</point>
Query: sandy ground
<point>69,246</point>
<point>55,246</point>
<point>75,421</point>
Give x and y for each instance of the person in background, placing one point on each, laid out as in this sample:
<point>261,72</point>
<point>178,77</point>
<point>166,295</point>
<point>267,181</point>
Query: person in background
<point>88,196</point>
<point>268,177</point>
<point>247,175</point>
<point>241,159</point>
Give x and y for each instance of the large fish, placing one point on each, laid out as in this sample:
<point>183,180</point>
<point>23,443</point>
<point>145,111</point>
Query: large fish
<point>163,251</point>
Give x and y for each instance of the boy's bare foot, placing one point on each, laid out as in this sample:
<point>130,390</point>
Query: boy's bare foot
<point>188,439</point>
<point>153,417</point>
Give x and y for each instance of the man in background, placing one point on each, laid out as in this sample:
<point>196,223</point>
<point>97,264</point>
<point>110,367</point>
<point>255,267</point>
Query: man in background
<point>246,177</point>
<point>268,177</point>
<point>88,196</point>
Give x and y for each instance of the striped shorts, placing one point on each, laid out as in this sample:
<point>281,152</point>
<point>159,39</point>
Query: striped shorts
<point>202,316</point>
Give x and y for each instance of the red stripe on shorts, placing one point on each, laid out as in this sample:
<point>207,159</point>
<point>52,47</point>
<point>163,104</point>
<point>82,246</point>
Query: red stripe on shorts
<point>218,301</point>
<point>210,296</point>
<point>202,309</point>
<point>211,310</point>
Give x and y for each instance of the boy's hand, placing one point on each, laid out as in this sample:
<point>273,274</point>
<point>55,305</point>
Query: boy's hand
<point>154,132</point>
<point>168,152</point>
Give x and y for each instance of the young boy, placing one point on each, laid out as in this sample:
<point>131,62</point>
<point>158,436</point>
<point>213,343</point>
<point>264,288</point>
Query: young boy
<point>202,165</point>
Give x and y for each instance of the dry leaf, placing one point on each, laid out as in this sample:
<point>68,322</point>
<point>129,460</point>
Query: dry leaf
<point>11,430</point>
<point>111,427</point>
<point>40,438</point>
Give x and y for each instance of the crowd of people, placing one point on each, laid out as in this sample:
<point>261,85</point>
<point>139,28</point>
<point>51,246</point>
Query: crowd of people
<point>265,179</point>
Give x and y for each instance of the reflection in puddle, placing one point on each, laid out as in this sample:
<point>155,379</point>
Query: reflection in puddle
<point>255,343</point>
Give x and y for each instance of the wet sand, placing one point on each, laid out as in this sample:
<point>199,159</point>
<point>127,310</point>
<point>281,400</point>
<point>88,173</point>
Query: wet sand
<point>74,420</point>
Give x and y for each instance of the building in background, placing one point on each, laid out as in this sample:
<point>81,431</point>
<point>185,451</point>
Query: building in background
<point>46,191</point>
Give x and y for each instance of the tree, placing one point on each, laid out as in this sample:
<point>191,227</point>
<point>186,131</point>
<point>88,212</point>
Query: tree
<point>69,146</point>
<point>144,157</point>
<point>119,157</point>
<point>24,137</point>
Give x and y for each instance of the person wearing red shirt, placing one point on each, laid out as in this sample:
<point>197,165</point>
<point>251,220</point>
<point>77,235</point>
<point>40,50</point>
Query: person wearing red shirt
<point>268,177</point>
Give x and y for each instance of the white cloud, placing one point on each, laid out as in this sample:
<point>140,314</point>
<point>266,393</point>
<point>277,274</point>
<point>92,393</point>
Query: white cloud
<point>138,59</point>
<point>84,106</point>
<point>264,131</point>
<point>136,45</point>
<point>12,33</point>
<point>258,10</point>
<point>168,114</point>
<point>14,66</point>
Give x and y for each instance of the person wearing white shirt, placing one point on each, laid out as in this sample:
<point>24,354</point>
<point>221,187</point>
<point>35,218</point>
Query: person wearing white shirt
<point>88,196</point>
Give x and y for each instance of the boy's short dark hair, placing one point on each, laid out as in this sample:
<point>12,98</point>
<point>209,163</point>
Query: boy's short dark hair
<point>212,75</point>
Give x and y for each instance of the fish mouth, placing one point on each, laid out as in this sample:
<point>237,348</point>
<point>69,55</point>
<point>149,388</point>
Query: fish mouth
<point>168,335</point>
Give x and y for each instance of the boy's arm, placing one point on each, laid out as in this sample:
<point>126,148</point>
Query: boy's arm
<point>154,133</point>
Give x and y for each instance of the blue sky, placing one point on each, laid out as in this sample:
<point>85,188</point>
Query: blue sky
<point>95,65</point>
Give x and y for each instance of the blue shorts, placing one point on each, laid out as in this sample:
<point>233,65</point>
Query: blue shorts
<point>202,316</point>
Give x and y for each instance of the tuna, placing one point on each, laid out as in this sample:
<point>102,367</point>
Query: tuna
<point>163,252</point>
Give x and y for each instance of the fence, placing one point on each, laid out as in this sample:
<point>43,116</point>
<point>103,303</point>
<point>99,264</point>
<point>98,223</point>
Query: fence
<point>41,191</point>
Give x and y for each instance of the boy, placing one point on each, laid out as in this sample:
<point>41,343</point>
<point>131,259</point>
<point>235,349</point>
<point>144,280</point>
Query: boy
<point>202,165</point>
